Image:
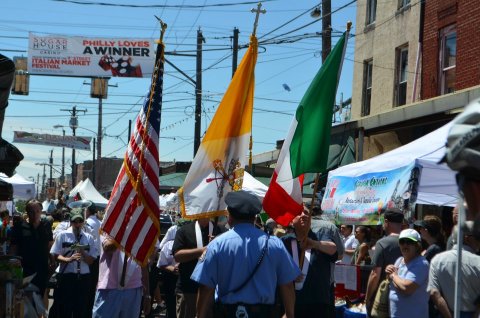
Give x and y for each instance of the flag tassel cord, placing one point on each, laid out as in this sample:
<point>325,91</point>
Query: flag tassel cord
<point>138,182</point>
<point>317,177</point>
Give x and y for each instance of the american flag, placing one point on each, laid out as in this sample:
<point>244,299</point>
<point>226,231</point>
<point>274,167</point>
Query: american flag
<point>133,211</point>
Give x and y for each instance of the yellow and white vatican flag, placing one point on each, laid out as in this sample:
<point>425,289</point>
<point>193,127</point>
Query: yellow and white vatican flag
<point>218,166</point>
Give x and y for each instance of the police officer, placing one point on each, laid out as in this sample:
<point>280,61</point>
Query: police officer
<point>245,265</point>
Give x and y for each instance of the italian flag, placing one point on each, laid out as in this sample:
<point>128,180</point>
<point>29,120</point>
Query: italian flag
<point>305,148</point>
<point>218,166</point>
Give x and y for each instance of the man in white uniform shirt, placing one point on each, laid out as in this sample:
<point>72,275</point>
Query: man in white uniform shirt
<point>75,250</point>
<point>349,242</point>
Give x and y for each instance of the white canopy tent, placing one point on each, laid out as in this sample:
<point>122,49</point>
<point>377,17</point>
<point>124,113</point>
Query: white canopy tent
<point>23,189</point>
<point>250,184</point>
<point>87,191</point>
<point>253,186</point>
<point>437,184</point>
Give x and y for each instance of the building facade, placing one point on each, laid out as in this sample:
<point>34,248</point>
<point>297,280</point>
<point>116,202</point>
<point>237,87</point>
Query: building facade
<point>386,51</point>
<point>415,69</point>
<point>450,47</point>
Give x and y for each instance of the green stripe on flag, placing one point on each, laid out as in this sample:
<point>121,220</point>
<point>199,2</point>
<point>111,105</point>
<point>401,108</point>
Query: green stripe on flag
<point>311,140</point>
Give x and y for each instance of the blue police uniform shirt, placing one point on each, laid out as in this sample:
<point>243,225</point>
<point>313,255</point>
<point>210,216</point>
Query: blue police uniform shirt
<point>231,258</point>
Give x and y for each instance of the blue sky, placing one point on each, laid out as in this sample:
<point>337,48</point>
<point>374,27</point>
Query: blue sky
<point>294,64</point>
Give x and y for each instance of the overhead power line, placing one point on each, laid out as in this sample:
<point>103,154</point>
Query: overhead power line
<point>308,24</point>
<point>181,6</point>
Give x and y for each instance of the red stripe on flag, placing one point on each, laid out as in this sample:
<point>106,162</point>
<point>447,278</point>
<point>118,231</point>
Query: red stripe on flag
<point>117,184</point>
<point>135,231</point>
<point>144,164</point>
<point>149,237</point>
<point>279,205</point>
<point>150,144</point>
<point>118,205</point>
<point>150,201</point>
<point>126,220</point>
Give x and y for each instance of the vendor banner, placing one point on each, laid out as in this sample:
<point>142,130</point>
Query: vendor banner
<point>74,142</point>
<point>362,199</point>
<point>60,55</point>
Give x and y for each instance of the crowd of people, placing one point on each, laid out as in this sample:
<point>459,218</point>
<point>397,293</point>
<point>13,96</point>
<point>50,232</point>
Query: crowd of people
<point>285,271</point>
<point>243,267</point>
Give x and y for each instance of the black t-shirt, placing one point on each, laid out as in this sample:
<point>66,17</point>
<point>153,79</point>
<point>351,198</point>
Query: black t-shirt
<point>387,251</point>
<point>433,250</point>
<point>185,238</point>
<point>33,246</point>
<point>316,288</point>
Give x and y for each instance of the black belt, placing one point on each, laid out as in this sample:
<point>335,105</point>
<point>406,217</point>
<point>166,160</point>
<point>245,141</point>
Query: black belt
<point>243,310</point>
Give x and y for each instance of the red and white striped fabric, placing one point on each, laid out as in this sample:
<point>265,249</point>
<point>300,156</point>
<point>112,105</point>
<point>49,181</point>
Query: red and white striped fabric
<point>133,211</point>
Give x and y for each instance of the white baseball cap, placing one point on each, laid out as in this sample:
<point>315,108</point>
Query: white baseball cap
<point>410,234</point>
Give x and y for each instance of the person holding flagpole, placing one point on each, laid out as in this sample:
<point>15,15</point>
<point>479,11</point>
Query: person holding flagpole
<point>315,253</point>
<point>131,225</point>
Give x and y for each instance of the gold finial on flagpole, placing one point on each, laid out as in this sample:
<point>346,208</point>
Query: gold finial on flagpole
<point>257,11</point>
<point>349,25</point>
<point>162,32</point>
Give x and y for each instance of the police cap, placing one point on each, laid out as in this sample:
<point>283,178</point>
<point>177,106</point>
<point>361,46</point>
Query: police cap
<point>242,205</point>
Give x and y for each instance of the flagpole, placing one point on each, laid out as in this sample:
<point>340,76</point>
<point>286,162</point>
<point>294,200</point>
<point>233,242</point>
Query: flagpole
<point>257,12</point>
<point>317,177</point>
<point>163,27</point>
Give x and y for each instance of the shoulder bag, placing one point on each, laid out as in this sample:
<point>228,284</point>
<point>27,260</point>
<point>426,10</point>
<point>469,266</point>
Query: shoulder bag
<point>381,305</point>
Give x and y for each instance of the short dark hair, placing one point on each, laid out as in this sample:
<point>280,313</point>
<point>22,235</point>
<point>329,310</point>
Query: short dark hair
<point>30,204</point>
<point>394,215</point>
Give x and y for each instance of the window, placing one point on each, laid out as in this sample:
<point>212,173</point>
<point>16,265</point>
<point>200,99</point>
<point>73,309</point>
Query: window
<point>367,87</point>
<point>401,70</point>
<point>403,4</point>
<point>447,59</point>
<point>371,11</point>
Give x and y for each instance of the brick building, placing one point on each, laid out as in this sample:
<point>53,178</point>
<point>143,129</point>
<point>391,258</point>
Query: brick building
<point>451,45</point>
<point>415,69</point>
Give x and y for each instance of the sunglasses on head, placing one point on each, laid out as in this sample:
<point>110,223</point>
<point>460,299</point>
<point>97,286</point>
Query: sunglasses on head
<point>406,241</point>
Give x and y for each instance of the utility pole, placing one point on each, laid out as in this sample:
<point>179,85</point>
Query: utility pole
<point>99,129</point>
<point>73,124</point>
<point>38,184</point>
<point>198,93</point>
<point>99,89</point>
<point>235,50</point>
<point>93,165</point>
<point>62,178</point>
<point>43,182</point>
<point>50,161</point>
<point>326,28</point>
